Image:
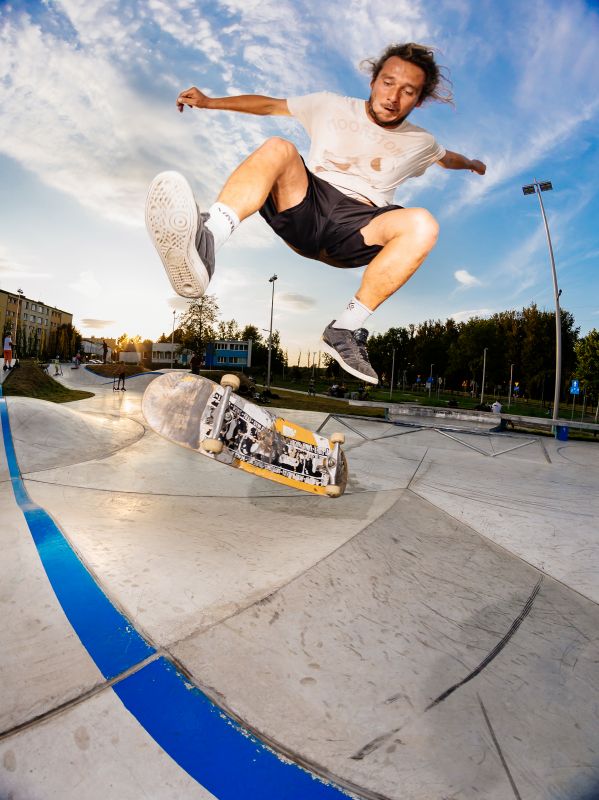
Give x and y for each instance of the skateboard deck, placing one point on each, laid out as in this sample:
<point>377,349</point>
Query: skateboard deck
<point>189,410</point>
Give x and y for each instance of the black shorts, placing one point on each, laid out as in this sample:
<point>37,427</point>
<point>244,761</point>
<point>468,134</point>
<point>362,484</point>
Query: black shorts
<point>326,225</point>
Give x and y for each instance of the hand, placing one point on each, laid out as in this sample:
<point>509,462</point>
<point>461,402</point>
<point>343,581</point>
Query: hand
<point>478,166</point>
<point>193,98</point>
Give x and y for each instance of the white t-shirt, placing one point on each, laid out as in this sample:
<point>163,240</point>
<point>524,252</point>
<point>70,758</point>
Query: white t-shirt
<point>496,407</point>
<point>357,156</point>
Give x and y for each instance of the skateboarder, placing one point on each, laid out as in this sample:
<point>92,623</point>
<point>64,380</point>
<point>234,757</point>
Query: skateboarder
<point>8,344</point>
<point>338,208</point>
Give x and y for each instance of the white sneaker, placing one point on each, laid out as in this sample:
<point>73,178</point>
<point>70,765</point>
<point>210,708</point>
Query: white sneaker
<point>184,244</point>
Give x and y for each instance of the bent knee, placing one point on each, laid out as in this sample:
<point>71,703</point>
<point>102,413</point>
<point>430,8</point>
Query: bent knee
<point>424,226</point>
<point>280,148</point>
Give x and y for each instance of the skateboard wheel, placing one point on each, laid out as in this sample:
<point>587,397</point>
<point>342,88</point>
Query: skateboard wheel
<point>212,446</point>
<point>337,438</point>
<point>230,380</point>
<point>333,490</point>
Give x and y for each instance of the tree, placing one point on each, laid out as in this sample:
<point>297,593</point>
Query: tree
<point>259,348</point>
<point>538,349</point>
<point>66,342</point>
<point>229,331</point>
<point>381,347</point>
<point>587,362</point>
<point>198,325</point>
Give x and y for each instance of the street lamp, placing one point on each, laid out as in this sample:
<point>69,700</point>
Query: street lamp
<point>19,304</point>
<point>430,380</point>
<point>272,304</point>
<point>536,188</point>
<point>482,390</point>
<point>173,339</point>
<point>392,376</point>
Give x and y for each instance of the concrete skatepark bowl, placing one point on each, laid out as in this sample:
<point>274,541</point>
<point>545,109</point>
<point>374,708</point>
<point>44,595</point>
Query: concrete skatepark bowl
<point>176,629</point>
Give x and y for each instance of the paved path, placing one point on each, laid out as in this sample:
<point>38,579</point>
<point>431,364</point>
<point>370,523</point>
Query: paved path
<point>431,634</point>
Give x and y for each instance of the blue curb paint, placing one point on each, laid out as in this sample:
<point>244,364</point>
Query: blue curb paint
<point>107,635</point>
<point>211,747</point>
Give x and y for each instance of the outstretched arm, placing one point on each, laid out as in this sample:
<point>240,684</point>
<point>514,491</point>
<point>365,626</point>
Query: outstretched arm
<point>246,103</point>
<point>458,161</point>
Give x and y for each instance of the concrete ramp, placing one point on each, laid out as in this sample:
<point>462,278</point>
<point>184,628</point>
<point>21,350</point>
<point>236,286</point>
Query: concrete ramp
<point>418,661</point>
<point>431,634</point>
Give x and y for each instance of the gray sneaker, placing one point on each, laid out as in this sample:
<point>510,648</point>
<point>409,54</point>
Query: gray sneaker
<point>348,348</point>
<point>177,230</point>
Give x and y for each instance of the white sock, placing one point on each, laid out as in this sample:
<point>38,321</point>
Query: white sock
<point>222,222</point>
<point>354,316</point>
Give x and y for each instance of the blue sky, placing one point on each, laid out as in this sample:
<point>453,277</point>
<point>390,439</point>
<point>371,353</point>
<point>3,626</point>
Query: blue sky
<point>87,117</point>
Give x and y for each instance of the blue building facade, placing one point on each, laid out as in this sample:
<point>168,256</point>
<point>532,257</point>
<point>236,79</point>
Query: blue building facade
<point>223,354</point>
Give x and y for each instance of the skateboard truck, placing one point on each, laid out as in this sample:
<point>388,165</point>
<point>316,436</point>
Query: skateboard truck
<point>230,383</point>
<point>334,462</point>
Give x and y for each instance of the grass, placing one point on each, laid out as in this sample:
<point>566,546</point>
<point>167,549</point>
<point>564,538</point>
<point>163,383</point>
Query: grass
<point>30,380</point>
<point>301,402</point>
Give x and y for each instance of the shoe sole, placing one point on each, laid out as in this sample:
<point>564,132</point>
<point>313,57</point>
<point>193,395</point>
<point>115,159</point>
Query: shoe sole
<point>356,373</point>
<point>172,222</point>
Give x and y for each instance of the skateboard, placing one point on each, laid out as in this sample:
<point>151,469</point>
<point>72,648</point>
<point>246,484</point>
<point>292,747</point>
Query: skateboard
<point>211,419</point>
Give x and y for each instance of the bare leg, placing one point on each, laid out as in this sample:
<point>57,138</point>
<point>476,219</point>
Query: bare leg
<point>275,167</point>
<point>407,235</point>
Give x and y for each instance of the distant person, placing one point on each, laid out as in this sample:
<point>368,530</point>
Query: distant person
<point>104,351</point>
<point>195,364</point>
<point>311,388</point>
<point>121,378</point>
<point>496,407</point>
<point>8,352</point>
<point>338,207</point>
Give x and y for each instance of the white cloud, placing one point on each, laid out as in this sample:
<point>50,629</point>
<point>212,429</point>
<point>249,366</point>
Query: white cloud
<point>555,93</point>
<point>97,324</point>
<point>465,279</point>
<point>464,316</point>
<point>15,268</point>
<point>365,29</point>
<point>293,302</point>
<point>87,285</point>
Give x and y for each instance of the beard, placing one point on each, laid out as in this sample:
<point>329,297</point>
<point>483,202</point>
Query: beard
<point>384,124</point>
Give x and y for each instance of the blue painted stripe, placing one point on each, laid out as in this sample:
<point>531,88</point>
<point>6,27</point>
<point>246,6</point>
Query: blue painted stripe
<point>205,742</point>
<point>209,745</point>
<point>107,635</point>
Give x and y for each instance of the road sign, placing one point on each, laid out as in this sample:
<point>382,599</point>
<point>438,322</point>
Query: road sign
<point>575,387</point>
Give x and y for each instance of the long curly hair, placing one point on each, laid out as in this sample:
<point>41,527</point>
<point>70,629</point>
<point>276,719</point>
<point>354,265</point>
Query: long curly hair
<point>437,84</point>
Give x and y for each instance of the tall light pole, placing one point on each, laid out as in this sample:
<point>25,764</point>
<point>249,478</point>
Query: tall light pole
<point>173,340</point>
<point>272,305</point>
<point>392,375</point>
<point>536,188</point>
<point>482,390</point>
<point>430,381</point>
<point>19,304</point>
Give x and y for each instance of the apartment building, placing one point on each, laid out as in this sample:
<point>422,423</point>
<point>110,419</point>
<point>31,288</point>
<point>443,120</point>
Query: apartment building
<point>226,353</point>
<point>28,320</point>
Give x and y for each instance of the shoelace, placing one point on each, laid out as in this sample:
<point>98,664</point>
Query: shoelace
<point>360,337</point>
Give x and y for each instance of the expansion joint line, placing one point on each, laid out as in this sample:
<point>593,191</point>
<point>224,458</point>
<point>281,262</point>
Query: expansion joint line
<point>75,701</point>
<point>517,794</point>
